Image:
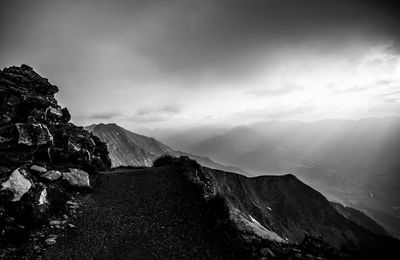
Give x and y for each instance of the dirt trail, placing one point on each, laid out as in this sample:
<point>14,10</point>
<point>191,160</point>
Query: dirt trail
<point>140,214</point>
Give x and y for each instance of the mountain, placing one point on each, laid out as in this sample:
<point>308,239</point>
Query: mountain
<point>291,209</point>
<point>353,162</point>
<point>127,148</point>
<point>130,149</point>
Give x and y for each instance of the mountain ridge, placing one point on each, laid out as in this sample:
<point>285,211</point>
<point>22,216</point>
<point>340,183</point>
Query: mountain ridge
<point>127,148</point>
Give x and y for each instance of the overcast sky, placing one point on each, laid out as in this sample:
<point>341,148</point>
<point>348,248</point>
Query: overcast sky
<point>175,63</point>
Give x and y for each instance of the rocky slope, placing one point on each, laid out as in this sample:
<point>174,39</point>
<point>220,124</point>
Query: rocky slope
<point>285,210</point>
<point>130,149</point>
<point>42,156</point>
<point>359,217</point>
<point>179,210</point>
<point>127,148</point>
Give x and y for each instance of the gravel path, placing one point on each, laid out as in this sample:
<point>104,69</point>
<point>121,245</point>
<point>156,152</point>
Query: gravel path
<point>140,214</point>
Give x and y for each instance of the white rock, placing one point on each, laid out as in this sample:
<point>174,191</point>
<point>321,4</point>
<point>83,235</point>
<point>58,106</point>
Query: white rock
<point>68,202</point>
<point>54,222</point>
<point>17,183</point>
<point>43,197</point>
<point>77,178</point>
<point>54,111</point>
<point>52,175</point>
<point>38,169</point>
<point>50,241</point>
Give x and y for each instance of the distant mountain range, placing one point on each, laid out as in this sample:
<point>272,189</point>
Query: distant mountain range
<point>130,149</point>
<point>352,162</point>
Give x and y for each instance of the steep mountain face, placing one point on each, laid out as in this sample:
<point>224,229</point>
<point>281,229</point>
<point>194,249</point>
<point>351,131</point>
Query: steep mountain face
<point>130,149</point>
<point>290,211</point>
<point>127,148</point>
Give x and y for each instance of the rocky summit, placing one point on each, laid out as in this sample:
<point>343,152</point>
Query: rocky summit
<point>43,157</point>
<point>35,129</point>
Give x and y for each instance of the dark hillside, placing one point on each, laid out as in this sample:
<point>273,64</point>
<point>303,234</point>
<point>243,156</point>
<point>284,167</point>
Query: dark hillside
<point>291,209</point>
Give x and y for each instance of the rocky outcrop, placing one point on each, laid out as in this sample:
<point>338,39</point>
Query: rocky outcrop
<point>42,155</point>
<point>35,129</point>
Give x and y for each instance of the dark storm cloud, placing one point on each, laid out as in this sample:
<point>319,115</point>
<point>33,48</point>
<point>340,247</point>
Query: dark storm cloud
<point>133,55</point>
<point>218,32</point>
<point>186,36</point>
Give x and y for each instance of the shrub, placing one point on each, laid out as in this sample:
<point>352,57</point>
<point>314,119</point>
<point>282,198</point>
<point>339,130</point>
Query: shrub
<point>164,160</point>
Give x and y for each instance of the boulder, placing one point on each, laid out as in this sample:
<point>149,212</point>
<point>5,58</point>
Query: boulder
<point>51,175</point>
<point>35,205</point>
<point>51,240</point>
<point>18,184</point>
<point>38,169</point>
<point>43,197</point>
<point>54,112</point>
<point>77,178</point>
<point>66,116</point>
<point>33,134</point>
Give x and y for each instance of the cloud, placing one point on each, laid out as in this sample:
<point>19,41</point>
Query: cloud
<point>154,114</point>
<point>340,89</point>
<point>385,81</point>
<point>282,88</point>
<point>397,92</point>
<point>290,112</point>
<point>390,108</point>
<point>105,115</point>
<point>145,118</point>
<point>164,110</point>
<point>394,48</point>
